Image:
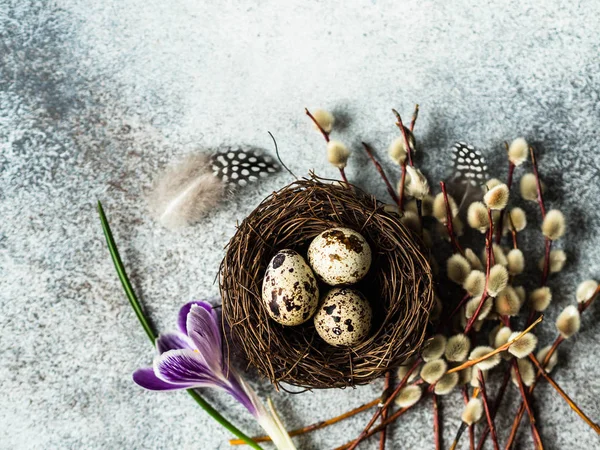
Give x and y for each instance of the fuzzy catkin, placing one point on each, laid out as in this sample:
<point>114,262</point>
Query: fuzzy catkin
<point>518,151</point>
<point>586,290</point>
<point>568,321</point>
<point>553,226</point>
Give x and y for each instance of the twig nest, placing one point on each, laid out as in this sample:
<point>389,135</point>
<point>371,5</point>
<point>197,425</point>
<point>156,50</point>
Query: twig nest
<point>344,317</point>
<point>290,289</point>
<point>398,287</point>
<point>340,256</point>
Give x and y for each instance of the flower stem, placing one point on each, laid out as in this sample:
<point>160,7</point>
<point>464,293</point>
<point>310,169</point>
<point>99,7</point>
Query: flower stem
<point>317,425</point>
<point>135,304</point>
<point>436,423</point>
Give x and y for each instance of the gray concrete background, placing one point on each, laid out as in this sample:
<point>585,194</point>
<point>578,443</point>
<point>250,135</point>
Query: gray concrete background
<point>96,97</point>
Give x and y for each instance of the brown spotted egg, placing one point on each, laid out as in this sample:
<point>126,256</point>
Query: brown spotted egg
<point>344,317</point>
<point>290,291</point>
<point>340,256</point>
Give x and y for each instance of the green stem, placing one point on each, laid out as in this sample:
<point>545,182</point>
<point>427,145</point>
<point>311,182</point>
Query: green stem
<point>135,304</point>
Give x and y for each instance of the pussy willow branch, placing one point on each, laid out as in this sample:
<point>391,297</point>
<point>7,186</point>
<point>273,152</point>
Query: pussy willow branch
<point>488,263</point>
<point>326,137</point>
<point>384,413</point>
<point>488,412</point>
<point>465,393</point>
<point>564,395</point>
<point>384,177</point>
<point>495,408</point>
<point>537,439</point>
<point>511,169</point>
<point>437,439</point>
<point>559,340</point>
<point>387,403</point>
<point>408,152</point>
<point>449,224</point>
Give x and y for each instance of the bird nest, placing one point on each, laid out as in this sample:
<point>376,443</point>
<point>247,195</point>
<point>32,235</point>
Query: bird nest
<point>398,287</point>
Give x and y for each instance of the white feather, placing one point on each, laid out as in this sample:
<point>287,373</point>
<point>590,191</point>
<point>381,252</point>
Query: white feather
<point>185,192</point>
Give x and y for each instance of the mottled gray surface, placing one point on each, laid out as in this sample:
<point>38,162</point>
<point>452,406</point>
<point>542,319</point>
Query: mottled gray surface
<point>96,97</point>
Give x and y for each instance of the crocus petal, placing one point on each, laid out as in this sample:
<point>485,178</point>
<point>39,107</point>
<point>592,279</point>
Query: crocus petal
<point>172,341</point>
<point>204,331</point>
<point>243,393</point>
<point>184,311</point>
<point>186,366</point>
<point>148,380</point>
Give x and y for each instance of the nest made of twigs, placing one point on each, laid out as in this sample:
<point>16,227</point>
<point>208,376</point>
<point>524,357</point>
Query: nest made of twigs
<point>398,287</point>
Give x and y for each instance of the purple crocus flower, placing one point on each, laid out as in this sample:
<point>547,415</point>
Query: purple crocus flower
<point>193,358</point>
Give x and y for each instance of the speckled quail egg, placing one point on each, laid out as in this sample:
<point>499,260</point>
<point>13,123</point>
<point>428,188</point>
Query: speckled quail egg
<point>339,256</point>
<point>290,290</point>
<point>344,317</point>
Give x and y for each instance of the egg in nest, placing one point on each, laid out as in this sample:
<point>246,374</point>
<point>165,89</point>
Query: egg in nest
<point>340,256</point>
<point>344,317</point>
<point>290,291</point>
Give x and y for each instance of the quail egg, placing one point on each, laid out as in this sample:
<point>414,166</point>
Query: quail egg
<point>344,317</point>
<point>290,291</point>
<point>340,256</point>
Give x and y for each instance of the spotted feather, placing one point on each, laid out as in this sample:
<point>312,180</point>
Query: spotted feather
<point>238,167</point>
<point>469,164</point>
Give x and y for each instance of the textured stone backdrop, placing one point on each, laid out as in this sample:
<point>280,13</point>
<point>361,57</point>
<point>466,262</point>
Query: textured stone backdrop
<point>96,97</point>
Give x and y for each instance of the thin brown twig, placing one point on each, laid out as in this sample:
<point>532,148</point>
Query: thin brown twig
<point>488,246</point>
<point>500,349</point>
<point>414,118</point>
<point>486,407</point>
<point>465,393</point>
<point>537,439</point>
<point>387,403</point>
<point>495,408</point>
<point>400,125</point>
<point>436,423</point>
<point>449,224</point>
<point>378,428</point>
<point>564,395</point>
<point>511,169</point>
<point>384,413</point>
<point>317,124</point>
<point>538,182</point>
<point>386,180</point>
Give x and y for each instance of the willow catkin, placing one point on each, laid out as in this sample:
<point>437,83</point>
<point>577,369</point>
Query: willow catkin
<point>586,290</point>
<point>475,283</point>
<point>473,304</point>
<point>498,280</point>
<point>325,119</point>
<point>517,218</point>
<point>528,187</point>
<point>556,261</point>
<point>408,396</point>
<point>516,261</point>
<point>446,384</point>
<point>439,207</point>
<point>473,259</point>
<point>458,268</point>
<point>507,302</point>
<point>540,298</point>
<point>434,348</point>
<point>417,187</point>
<point>457,348</point>
<point>553,226</point>
<point>568,321</point>
<point>518,151</point>
<point>488,363</point>
<point>497,197</point>
<point>337,154</point>
<point>477,217</point>
<point>473,411</point>
<point>524,346</point>
<point>432,371</point>
<point>541,356</point>
<point>526,370</point>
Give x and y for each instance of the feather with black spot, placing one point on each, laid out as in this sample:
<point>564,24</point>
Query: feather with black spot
<point>469,164</point>
<point>238,167</point>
